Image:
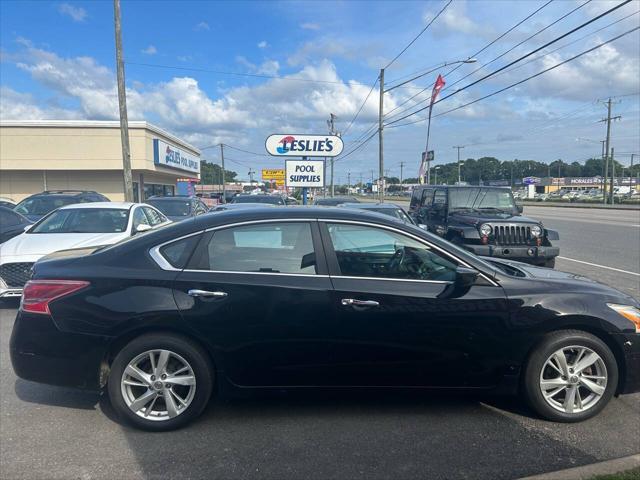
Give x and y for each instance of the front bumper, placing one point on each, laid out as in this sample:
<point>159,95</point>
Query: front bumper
<point>40,352</point>
<point>527,254</point>
<point>630,371</point>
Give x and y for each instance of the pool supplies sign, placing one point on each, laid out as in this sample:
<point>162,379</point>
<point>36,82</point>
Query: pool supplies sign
<point>305,173</point>
<point>173,157</point>
<point>287,145</point>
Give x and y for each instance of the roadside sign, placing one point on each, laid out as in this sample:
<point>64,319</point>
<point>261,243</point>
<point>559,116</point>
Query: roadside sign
<point>288,145</point>
<point>305,173</point>
<point>428,156</point>
<point>531,180</point>
<point>273,174</point>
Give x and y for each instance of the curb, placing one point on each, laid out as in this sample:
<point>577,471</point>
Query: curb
<point>586,472</point>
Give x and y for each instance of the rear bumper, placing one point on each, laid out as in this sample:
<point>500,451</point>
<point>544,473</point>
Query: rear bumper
<point>40,352</point>
<point>9,292</point>
<point>527,254</point>
<point>630,373</point>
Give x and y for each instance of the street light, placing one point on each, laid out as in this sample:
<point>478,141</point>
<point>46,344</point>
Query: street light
<point>382,91</point>
<point>436,171</point>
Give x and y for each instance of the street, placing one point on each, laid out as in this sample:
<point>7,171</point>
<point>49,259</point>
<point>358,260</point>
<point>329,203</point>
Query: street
<point>52,432</point>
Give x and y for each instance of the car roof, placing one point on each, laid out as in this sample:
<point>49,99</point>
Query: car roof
<point>173,198</point>
<point>365,206</point>
<point>115,205</point>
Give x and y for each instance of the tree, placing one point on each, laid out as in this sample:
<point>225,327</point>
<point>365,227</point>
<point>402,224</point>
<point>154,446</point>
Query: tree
<point>211,174</point>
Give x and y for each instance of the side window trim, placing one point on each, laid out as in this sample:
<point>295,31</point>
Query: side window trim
<point>332,258</point>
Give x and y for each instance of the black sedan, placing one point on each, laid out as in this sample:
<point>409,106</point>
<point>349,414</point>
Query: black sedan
<point>318,297</point>
<point>178,208</point>
<point>11,224</point>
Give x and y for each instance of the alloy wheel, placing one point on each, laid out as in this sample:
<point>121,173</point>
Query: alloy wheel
<point>158,385</point>
<point>573,379</point>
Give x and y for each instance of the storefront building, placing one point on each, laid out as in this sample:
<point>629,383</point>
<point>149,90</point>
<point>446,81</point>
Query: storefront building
<point>87,155</point>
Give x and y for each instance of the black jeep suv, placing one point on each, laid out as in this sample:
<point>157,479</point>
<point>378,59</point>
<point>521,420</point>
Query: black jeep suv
<point>485,221</point>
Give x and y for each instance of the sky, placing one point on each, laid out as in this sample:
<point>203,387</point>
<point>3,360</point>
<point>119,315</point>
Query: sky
<point>235,72</point>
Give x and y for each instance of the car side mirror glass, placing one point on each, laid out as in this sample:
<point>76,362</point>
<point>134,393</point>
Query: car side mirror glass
<point>519,208</point>
<point>143,227</point>
<point>466,277</point>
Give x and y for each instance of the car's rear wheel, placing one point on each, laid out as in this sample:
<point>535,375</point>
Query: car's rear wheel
<point>160,382</point>
<point>571,376</point>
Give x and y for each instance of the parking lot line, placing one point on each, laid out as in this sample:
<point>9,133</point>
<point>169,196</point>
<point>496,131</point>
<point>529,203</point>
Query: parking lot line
<point>600,266</point>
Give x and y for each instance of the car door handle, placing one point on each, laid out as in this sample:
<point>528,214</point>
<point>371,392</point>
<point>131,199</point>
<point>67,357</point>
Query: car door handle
<point>206,293</point>
<point>359,303</point>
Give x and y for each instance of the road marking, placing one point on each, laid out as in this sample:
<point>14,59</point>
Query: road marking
<point>600,266</point>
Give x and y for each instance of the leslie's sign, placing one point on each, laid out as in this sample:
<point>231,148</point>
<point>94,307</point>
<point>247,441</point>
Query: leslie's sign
<point>170,156</point>
<point>286,145</point>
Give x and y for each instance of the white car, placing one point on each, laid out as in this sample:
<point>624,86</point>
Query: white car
<point>72,226</point>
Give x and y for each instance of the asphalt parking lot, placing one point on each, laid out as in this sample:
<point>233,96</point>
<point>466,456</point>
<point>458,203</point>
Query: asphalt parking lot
<point>55,433</point>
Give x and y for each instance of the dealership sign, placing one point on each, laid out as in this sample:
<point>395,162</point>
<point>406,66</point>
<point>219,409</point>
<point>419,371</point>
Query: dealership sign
<point>169,156</point>
<point>287,145</point>
<point>305,173</point>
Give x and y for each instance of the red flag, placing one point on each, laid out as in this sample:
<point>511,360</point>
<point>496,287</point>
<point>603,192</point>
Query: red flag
<point>436,88</point>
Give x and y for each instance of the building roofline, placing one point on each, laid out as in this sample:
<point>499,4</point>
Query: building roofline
<point>136,124</point>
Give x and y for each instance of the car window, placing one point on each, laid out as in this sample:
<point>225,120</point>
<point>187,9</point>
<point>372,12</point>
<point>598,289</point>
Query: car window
<point>178,252</point>
<point>155,218</point>
<point>440,197</point>
<point>83,220</point>
<point>178,207</point>
<point>139,218</point>
<point>43,205</point>
<point>267,248</point>
<point>364,251</point>
<point>8,219</point>
<point>427,197</point>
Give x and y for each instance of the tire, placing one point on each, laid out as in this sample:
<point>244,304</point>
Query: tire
<point>550,262</point>
<point>167,412</point>
<point>537,371</point>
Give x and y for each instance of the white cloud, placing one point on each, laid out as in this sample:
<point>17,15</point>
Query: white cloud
<point>77,14</point>
<point>310,26</point>
<point>201,27</point>
<point>184,58</point>
<point>150,50</point>
<point>22,106</point>
<point>263,44</point>
<point>268,67</point>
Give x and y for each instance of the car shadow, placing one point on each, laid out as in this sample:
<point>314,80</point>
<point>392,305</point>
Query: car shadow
<point>9,303</point>
<point>56,396</point>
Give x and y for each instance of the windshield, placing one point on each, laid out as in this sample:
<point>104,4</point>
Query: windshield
<point>481,198</point>
<point>84,220</point>
<point>272,199</point>
<point>393,212</point>
<point>43,205</point>
<point>172,208</point>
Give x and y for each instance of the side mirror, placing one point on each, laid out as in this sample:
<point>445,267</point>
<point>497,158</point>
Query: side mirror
<point>466,277</point>
<point>519,208</point>
<point>143,227</point>
<point>423,226</point>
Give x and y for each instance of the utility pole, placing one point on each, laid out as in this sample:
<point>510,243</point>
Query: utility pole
<point>380,138</point>
<point>559,165</point>
<point>402,168</point>
<point>122,104</point>
<point>607,141</point>
<point>604,173</point>
<point>613,175</point>
<point>459,147</point>
<point>222,199</point>
<point>348,183</point>
<point>332,131</point>
<point>251,172</point>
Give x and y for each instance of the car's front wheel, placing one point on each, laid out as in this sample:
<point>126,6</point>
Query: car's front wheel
<point>571,376</point>
<point>160,382</point>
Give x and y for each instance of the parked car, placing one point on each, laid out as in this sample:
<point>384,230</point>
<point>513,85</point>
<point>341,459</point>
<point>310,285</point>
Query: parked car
<point>485,221</point>
<point>291,201</point>
<point>73,226</point>
<point>240,206</point>
<point>177,208</point>
<point>253,198</point>
<point>11,224</point>
<point>335,201</point>
<point>37,206</point>
<point>389,209</point>
<point>7,202</point>
<point>317,297</point>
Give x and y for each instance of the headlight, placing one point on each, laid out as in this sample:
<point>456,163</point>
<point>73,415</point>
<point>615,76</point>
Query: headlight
<point>629,312</point>
<point>536,230</point>
<point>485,229</point>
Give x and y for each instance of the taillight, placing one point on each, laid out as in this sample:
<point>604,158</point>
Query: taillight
<point>37,294</point>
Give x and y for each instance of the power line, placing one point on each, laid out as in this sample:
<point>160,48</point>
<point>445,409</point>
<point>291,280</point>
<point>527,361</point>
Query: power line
<point>498,38</point>
<point>520,43</point>
<point>247,151</point>
<point>515,61</point>
<point>357,148</point>
<point>418,36</point>
<point>532,76</point>
<point>361,106</point>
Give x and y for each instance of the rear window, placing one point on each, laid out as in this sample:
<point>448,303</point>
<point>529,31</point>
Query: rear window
<point>272,199</point>
<point>172,208</point>
<point>179,252</point>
